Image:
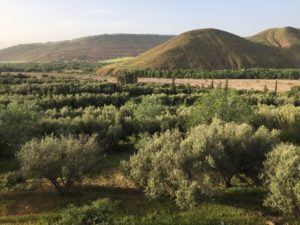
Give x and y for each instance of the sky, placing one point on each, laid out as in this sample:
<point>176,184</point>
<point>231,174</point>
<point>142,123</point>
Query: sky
<point>31,21</point>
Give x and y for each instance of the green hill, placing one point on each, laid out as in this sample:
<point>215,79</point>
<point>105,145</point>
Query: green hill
<point>287,39</point>
<point>206,49</point>
<point>93,48</point>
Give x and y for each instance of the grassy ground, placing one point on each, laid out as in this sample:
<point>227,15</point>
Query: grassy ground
<point>27,208</point>
<point>116,60</point>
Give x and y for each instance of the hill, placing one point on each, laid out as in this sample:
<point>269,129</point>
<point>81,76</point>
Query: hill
<point>278,37</point>
<point>93,48</point>
<point>206,49</point>
<point>287,39</point>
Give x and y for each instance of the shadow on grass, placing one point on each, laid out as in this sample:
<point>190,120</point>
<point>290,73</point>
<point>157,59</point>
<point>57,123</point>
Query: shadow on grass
<point>249,198</point>
<point>21,203</point>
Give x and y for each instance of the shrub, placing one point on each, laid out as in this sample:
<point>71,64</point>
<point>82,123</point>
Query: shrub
<point>97,213</point>
<point>13,178</point>
<point>282,176</point>
<point>127,78</point>
<point>62,161</point>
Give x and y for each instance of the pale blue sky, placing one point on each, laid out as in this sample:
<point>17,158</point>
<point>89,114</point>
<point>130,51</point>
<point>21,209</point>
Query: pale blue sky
<point>27,21</point>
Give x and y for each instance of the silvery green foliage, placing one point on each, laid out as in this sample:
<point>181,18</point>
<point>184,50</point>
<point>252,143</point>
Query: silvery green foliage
<point>185,166</point>
<point>229,149</point>
<point>282,174</point>
<point>18,124</point>
<point>157,168</point>
<point>226,105</point>
<point>62,161</point>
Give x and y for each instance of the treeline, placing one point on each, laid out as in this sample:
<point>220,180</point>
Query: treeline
<point>83,67</point>
<point>218,74</point>
<point>21,84</point>
<point>88,67</point>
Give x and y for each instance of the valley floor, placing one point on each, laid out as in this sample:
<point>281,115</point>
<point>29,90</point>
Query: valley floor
<point>238,84</point>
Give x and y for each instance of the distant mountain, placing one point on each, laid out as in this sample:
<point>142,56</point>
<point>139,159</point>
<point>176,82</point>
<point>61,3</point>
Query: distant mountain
<point>207,49</point>
<point>287,39</point>
<point>93,48</point>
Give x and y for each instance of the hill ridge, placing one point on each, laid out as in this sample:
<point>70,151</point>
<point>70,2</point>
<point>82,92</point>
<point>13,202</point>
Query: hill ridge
<point>207,49</point>
<point>91,48</point>
<point>287,39</point>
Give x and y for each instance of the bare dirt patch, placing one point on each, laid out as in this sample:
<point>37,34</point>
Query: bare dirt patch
<point>239,84</point>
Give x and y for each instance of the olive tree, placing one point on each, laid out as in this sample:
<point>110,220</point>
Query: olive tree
<point>229,149</point>
<point>18,124</point>
<point>282,176</point>
<point>157,168</point>
<point>148,112</point>
<point>63,161</point>
<point>226,105</point>
<point>185,167</point>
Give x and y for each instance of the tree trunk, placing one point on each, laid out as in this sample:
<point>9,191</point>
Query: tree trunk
<point>57,186</point>
<point>227,182</point>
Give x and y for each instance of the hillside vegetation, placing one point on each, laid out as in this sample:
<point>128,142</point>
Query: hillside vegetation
<point>93,48</point>
<point>208,49</point>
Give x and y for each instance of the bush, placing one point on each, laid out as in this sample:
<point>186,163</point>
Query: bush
<point>282,176</point>
<point>13,178</point>
<point>97,213</point>
<point>62,161</point>
<point>127,78</point>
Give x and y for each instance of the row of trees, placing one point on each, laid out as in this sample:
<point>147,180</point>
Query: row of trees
<point>27,85</point>
<point>216,74</point>
<point>21,122</point>
<point>84,67</point>
<point>118,117</point>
